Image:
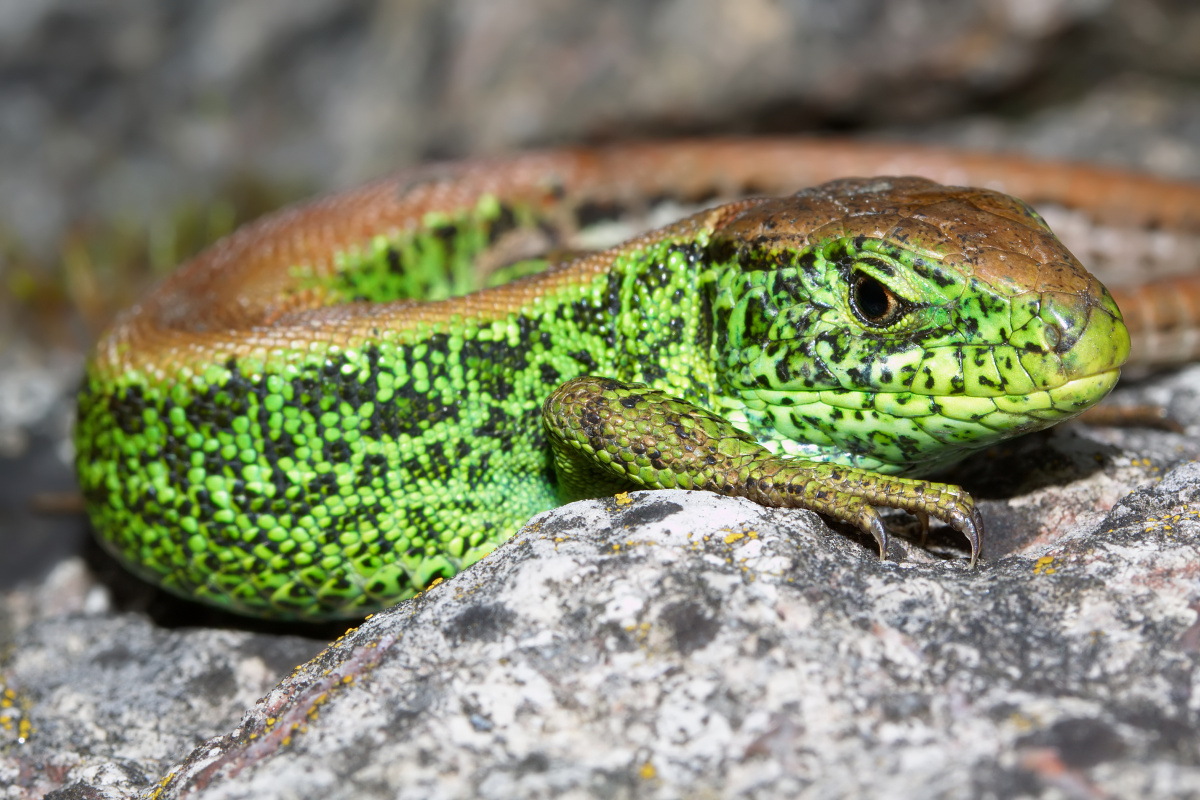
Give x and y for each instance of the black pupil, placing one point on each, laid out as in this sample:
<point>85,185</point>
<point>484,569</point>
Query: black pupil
<point>872,298</point>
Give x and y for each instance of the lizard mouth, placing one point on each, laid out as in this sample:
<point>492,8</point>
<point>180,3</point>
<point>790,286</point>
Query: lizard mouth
<point>1062,402</point>
<point>908,434</point>
<point>1063,362</point>
<point>1064,358</point>
<point>977,422</point>
<point>1070,342</point>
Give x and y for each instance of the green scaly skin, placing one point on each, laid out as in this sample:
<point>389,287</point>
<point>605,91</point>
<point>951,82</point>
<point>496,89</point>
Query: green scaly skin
<point>332,481</point>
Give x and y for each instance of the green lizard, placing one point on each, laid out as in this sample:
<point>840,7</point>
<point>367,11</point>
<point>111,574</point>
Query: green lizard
<point>303,439</point>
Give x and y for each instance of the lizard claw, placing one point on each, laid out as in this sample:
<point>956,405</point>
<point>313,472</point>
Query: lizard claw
<point>969,525</point>
<point>922,525</point>
<point>966,520</point>
<point>867,519</point>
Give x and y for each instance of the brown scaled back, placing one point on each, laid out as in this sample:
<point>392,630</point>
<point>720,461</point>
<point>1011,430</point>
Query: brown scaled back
<point>226,302</point>
<point>986,234</point>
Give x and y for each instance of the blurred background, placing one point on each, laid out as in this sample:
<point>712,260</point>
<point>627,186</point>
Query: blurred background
<point>133,132</point>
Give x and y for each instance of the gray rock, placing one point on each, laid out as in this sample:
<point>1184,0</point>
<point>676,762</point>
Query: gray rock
<point>98,704</point>
<point>675,645</point>
<point>37,411</point>
<point>1126,122</point>
<point>130,109</point>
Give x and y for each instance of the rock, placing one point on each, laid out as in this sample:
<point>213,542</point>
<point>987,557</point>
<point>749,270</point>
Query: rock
<point>133,110</point>
<point>674,645</point>
<point>99,705</point>
<point>37,410</point>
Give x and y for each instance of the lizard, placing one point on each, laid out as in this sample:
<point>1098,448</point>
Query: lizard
<point>343,402</point>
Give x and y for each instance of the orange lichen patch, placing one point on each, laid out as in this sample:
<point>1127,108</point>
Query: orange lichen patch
<point>15,724</point>
<point>1043,566</point>
<point>1167,523</point>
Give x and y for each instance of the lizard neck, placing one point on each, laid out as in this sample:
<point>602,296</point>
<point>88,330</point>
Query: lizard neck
<point>662,317</point>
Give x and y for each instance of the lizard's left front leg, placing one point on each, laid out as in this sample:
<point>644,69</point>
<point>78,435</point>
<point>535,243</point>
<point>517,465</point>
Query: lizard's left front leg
<point>608,435</point>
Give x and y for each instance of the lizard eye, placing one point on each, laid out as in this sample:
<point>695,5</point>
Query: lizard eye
<point>873,303</point>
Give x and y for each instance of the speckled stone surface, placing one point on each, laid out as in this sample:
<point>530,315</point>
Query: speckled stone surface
<point>130,109</point>
<point>97,704</point>
<point>668,645</point>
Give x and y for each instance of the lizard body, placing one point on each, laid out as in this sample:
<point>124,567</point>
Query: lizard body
<point>320,415</point>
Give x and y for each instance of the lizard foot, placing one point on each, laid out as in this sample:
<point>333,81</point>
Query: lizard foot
<point>608,435</point>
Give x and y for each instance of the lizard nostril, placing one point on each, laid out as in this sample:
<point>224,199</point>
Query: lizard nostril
<point>1053,337</point>
<point>1064,319</point>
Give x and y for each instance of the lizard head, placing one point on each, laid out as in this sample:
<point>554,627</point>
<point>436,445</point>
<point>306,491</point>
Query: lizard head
<point>898,324</point>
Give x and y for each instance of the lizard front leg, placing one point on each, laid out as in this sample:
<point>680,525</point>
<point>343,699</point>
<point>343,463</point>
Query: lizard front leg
<point>608,435</point>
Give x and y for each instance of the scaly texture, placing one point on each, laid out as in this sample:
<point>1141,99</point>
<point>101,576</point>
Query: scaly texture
<point>606,435</point>
<point>278,433</point>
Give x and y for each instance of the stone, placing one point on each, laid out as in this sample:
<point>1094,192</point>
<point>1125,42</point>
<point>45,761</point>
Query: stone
<point>666,644</point>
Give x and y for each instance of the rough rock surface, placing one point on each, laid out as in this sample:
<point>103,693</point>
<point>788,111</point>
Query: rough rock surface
<point>100,704</point>
<point>672,646</point>
<point>130,108</point>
